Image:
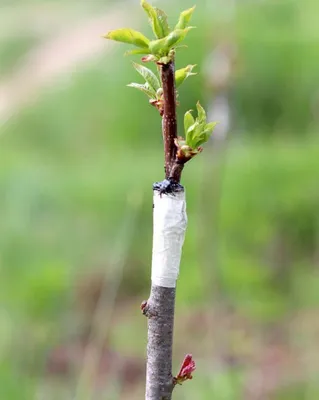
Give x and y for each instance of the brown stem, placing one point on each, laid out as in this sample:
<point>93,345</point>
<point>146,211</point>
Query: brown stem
<point>169,123</point>
<point>176,171</point>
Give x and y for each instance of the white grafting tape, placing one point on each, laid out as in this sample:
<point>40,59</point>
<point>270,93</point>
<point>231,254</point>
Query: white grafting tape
<point>169,226</point>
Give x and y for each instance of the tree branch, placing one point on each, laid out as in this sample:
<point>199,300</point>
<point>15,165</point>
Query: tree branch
<point>168,237</point>
<point>160,310</point>
<point>176,171</point>
<point>169,123</point>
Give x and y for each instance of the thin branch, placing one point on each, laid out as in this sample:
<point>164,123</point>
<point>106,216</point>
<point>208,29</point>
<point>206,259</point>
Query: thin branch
<point>169,123</point>
<point>160,308</point>
<point>160,312</point>
<point>176,171</point>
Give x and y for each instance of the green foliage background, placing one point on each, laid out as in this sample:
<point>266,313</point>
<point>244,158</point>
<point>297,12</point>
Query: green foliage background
<point>73,163</point>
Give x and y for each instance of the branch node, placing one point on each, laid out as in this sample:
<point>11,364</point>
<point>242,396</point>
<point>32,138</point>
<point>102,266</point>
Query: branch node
<point>147,310</point>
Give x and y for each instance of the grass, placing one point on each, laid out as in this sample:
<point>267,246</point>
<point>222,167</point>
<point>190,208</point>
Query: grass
<point>66,219</point>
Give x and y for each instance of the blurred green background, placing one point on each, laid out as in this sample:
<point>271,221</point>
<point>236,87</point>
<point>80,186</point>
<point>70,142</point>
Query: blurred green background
<point>79,153</point>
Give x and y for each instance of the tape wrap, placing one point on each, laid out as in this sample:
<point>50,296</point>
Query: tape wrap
<point>169,226</point>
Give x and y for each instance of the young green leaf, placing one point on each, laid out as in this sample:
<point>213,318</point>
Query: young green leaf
<point>184,18</point>
<point>144,50</point>
<point>201,140</point>
<point>188,121</point>
<point>176,36</point>
<point>158,20</point>
<point>201,113</point>
<point>210,127</point>
<point>158,47</point>
<point>149,58</point>
<point>205,135</point>
<point>182,74</point>
<point>190,135</point>
<point>197,131</point>
<point>126,35</point>
<point>145,89</point>
<point>148,75</point>
<point>161,48</point>
<point>198,134</point>
<point>162,20</point>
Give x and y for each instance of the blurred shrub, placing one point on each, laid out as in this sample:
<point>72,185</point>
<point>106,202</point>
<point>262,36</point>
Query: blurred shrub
<point>275,89</point>
<point>70,162</point>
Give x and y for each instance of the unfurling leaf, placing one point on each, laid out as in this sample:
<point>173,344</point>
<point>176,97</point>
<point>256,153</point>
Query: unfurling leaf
<point>201,113</point>
<point>148,75</point>
<point>176,36</point>
<point>137,51</point>
<point>200,135</point>
<point>162,47</point>
<point>158,47</point>
<point>190,134</point>
<point>145,89</point>
<point>210,127</point>
<point>158,20</point>
<point>184,18</point>
<point>201,139</point>
<point>188,121</point>
<point>162,19</point>
<point>182,74</point>
<point>197,131</point>
<point>126,35</point>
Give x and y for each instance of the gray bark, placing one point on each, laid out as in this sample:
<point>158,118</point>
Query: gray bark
<point>160,312</point>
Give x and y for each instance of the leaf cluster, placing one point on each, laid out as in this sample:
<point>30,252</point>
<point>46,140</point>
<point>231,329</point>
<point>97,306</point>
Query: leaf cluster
<point>162,51</point>
<point>162,48</point>
<point>152,86</point>
<point>197,132</point>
